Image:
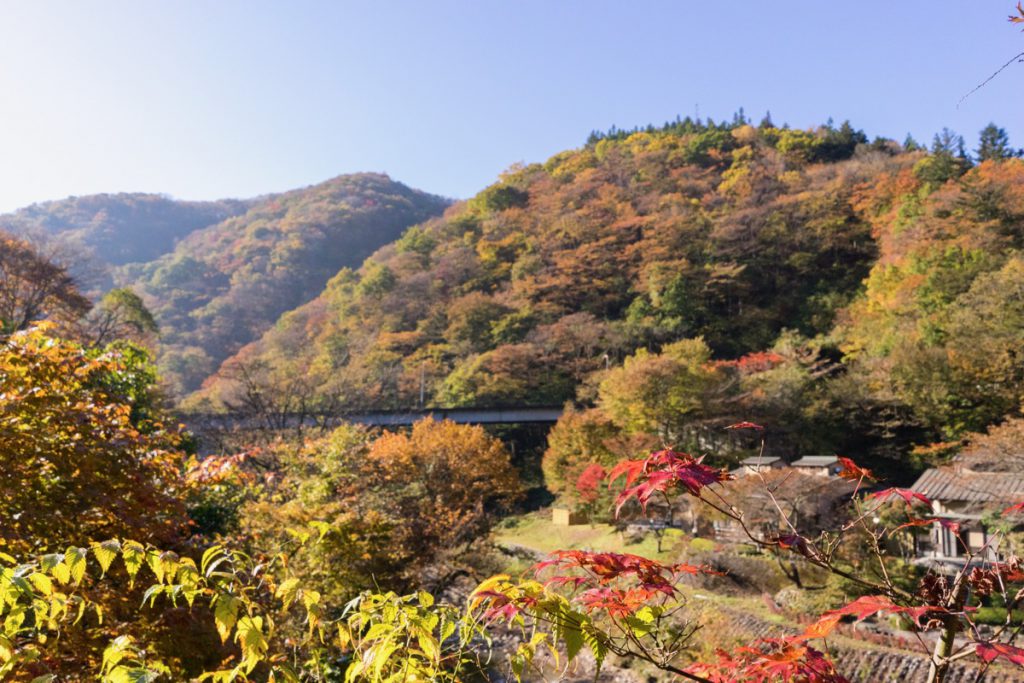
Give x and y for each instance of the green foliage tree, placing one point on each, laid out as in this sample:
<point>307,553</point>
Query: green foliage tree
<point>667,394</point>
<point>994,144</point>
<point>120,314</point>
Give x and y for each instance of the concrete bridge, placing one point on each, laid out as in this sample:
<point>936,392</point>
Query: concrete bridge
<point>373,418</point>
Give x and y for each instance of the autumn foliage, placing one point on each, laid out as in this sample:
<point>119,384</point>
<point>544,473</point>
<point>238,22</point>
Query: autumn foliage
<point>84,455</point>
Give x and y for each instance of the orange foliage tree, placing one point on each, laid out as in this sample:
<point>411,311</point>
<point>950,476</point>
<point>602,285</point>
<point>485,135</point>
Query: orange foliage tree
<point>83,456</point>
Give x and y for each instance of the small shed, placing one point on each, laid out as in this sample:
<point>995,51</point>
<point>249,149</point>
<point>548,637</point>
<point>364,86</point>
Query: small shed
<point>818,465</point>
<point>758,463</point>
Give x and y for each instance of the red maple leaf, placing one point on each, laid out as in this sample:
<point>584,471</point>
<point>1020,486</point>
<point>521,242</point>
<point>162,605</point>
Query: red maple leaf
<point>631,468</point>
<point>853,471</point>
<point>1014,509</point>
<point>663,472</point>
<point>906,494</point>
<point>794,542</point>
<point>947,523</point>
<point>990,651</point>
<point>746,425</point>
<point>770,659</point>
<point>862,608</point>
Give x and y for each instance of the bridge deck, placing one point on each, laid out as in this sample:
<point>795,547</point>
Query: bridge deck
<point>381,418</point>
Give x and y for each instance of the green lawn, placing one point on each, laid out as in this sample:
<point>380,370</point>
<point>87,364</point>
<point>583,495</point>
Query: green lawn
<point>536,532</point>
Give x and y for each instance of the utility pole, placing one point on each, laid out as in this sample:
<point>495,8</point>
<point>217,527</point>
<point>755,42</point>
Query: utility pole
<point>423,384</point>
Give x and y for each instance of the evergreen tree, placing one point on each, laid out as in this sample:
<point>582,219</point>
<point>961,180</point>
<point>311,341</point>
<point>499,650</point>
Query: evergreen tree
<point>911,145</point>
<point>947,143</point>
<point>994,144</point>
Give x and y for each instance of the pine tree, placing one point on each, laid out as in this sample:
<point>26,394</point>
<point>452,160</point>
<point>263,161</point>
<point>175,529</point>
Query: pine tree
<point>994,144</point>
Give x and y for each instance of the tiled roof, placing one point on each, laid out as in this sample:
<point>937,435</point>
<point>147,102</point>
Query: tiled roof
<point>948,484</point>
<point>758,460</point>
<point>816,461</point>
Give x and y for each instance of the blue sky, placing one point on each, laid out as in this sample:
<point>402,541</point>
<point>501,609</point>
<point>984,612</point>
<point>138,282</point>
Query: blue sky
<point>236,98</point>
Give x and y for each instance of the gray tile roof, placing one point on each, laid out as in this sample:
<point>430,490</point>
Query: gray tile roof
<point>816,461</point>
<point>948,484</point>
<point>755,460</point>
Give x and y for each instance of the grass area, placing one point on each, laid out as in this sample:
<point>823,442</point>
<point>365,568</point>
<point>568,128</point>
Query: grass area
<point>536,532</point>
<point>995,616</point>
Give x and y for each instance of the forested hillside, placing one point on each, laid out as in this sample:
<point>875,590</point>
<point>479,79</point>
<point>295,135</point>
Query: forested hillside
<point>121,228</point>
<point>223,286</point>
<point>749,239</point>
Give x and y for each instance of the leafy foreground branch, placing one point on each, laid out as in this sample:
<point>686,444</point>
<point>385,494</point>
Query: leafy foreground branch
<point>606,603</point>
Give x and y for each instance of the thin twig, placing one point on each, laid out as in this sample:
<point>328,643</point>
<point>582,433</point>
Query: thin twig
<point>1019,57</point>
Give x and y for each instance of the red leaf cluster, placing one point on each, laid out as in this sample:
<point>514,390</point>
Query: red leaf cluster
<point>588,482</point>
<point>853,471</point>
<point>617,602</point>
<point>758,361</point>
<point>663,472</point>
<point>907,495</point>
<point>618,583</point>
<point>1014,509</point>
<point>501,606</point>
<point>746,425</point>
<point>770,660</point>
<point>990,651</point>
<point>862,608</point>
<point>606,567</point>
<point>926,521</point>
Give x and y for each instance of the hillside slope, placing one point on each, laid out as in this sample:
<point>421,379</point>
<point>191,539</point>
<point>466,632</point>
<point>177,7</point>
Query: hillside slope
<point>122,228</point>
<point>223,286</point>
<point>729,232</point>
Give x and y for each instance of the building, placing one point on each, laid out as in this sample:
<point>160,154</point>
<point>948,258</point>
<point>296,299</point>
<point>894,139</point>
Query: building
<point>818,465</point>
<point>758,463</point>
<point>965,496</point>
<point>811,502</point>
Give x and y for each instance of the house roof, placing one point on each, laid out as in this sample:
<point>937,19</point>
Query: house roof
<point>952,484</point>
<point>816,461</point>
<point>755,460</point>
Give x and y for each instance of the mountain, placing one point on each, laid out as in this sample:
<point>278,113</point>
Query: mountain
<point>121,228</point>
<point>222,286</point>
<point>730,232</point>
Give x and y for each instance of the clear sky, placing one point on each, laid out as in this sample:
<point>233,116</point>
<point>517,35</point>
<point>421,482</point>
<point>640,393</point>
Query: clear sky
<point>207,99</point>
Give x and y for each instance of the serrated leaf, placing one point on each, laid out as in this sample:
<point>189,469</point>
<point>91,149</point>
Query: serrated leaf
<point>42,583</point>
<point>287,591</point>
<point>74,558</point>
<point>133,554</point>
<point>225,615</point>
<point>105,553</point>
<point>429,646</point>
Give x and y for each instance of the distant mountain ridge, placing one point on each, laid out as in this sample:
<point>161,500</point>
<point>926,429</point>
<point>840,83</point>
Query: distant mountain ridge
<point>223,285</point>
<point>217,274</point>
<point>124,227</point>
